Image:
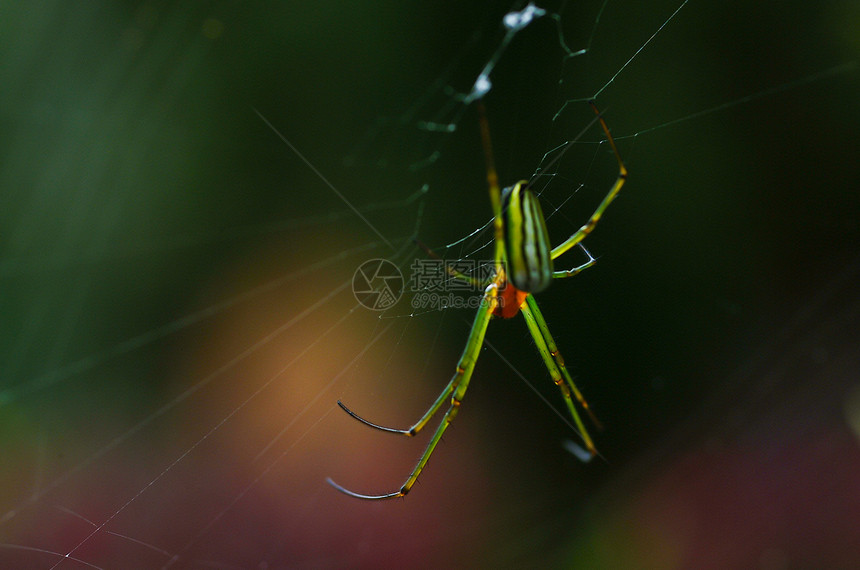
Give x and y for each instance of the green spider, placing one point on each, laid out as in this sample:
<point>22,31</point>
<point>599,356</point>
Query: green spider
<point>523,266</point>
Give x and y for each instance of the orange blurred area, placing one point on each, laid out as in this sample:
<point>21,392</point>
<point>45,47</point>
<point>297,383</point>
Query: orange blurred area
<point>231,463</point>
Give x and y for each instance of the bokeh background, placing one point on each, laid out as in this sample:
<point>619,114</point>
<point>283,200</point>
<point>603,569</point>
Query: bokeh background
<point>177,324</point>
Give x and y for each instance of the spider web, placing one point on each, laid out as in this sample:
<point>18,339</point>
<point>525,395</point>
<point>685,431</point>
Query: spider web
<point>178,320</point>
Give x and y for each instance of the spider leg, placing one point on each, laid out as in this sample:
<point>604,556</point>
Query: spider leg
<point>576,270</point>
<point>587,228</point>
<point>495,191</point>
<point>437,405</point>
<point>555,365</point>
<point>456,389</point>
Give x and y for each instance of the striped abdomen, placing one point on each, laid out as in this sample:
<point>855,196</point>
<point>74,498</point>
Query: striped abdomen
<point>527,246</point>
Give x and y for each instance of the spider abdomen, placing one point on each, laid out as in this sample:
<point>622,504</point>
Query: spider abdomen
<point>527,245</point>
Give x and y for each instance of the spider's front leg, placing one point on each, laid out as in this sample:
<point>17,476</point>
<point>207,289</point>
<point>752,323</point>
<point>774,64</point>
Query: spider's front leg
<point>453,392</point>
<point>554,363</point>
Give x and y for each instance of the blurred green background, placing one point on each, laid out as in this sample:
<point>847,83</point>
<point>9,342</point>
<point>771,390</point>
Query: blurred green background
<point>176,322</point>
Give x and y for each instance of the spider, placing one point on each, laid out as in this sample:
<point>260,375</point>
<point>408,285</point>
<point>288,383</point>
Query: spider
<point>523,266</point>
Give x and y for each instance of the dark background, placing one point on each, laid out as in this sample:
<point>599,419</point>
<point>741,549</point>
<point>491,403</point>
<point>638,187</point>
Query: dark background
<point>177,322</point>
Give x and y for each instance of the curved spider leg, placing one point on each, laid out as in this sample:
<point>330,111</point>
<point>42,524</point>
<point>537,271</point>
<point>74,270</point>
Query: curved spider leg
<point>555,365</point>
<point>576,270</point>
<point>414,429</point>
<point>587,228</point>
<point>456,389</point>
